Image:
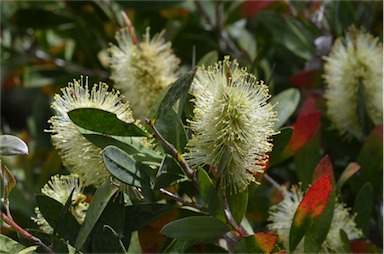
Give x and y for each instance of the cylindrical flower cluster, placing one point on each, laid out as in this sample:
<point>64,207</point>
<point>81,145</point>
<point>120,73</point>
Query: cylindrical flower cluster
<point>77,153</point>
<point>142,70</point>
<point>354,79</point>
<point>232,124</point>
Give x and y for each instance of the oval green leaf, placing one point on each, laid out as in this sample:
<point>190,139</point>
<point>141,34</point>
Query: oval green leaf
<point>195,227</point>
<point>285,103</point>
<point>104,122</point>
<point>122,166</point>
<point>178,88</point>
<point>95,209</point>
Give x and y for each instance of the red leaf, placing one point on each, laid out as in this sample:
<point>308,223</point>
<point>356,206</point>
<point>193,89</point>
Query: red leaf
<point>314,200</point>
<point>363,246</point>
<point>324,167</point>
<point>304,128</point>
<point>251,8</point>
<point>304,78</point>
<point>308,107</point>
<point>266,241</point>
<point>312,205</point>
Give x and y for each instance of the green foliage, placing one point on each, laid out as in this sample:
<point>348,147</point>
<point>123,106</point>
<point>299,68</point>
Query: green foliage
<point>104,122</point>
<point>195,228</point>
<point>153,201</point>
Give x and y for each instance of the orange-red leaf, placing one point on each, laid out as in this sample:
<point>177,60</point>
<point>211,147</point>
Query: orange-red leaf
<point>312,205</point>
<point>266,241</point>
<point>314,200</point>
<point>303,131</point>
<point>324,167</point>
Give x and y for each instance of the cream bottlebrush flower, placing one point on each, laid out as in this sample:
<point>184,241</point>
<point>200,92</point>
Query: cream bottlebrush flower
<point>59,188</point>
<point>355,61</point>
<point>142,70</point>
<point>281,216</point>
<point>232,122</point>
<point>83,157</point>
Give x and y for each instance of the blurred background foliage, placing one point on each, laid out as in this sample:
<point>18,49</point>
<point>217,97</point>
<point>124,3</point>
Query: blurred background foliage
<point>45,44</point>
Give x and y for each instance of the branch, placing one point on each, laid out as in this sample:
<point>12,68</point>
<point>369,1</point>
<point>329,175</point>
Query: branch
<point>24,233</point>
<point>182,201</point>
<point>183,163</point>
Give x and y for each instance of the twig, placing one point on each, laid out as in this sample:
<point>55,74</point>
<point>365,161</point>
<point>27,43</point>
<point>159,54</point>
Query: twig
<point>131,29</point>
<point>182,201</point>
<point>272,181</point>
<point>69,66</point>
<point>24,233</point>
<point>183,163</point>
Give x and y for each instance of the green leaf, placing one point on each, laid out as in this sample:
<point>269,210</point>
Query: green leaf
<point>104,122</point>
<point>370,159</point>
<point>39,19</point>
<point>12,145</point>
<point>209,58</point>
<point>172,129</point>
<point>122,166</point>
<point>312,205</point>
<point>280,141</point>
<point>179,246</point>
<point>10,246</point>
<point>289,33</point>
<point>363,207</point>
<point>209,194</point>
<point>95,209</point>
<point>307,158</point>
<point>108,233</point>
<point>319,229</point>
<point>169,173</point>
<point>238,204</point>
<point>257,243</point>
<point>247,43</point>
<point>195,228</point>
<point>131,145</point>
<point>178,88</point>
<point>62,221</point>
<point>285,103</point>
<point>140,215</point>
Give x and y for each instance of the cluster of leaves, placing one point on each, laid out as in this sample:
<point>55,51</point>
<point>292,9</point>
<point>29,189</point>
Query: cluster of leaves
<point>46,44</point>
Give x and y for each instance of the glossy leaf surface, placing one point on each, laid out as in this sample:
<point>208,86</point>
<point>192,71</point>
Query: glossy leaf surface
<point>95,209</point>
<point>310,207</point>
<point>180,87</point>
<point>195,227</point>
<point>104,122</point>
<point>12,145</point>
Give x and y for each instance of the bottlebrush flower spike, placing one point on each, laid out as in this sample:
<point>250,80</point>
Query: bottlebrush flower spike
<point>354,79</point>
<point>232,125</point>
<point>142,69</point>
<point>81,156</point>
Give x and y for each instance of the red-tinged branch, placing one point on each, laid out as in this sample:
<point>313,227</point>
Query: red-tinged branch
<point>24,233</point>
<point>131,29</point>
